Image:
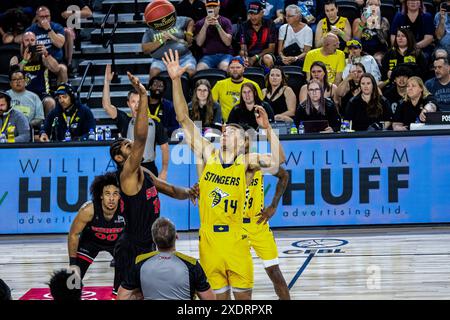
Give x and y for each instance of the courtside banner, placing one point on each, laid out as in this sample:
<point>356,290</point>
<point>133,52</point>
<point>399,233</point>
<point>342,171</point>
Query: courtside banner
<point>42,189</point>
<point>360,181</point>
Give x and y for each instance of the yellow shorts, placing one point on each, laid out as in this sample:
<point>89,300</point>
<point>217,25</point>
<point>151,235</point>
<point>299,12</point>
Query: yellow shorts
<point>225,258</point>
<point>262,241</point>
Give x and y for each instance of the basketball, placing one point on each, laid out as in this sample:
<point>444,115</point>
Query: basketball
<point>160,15</point>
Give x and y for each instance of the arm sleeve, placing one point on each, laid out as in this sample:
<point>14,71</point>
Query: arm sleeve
<point>233,117</point>
<point>227,26</point>
<point>387,111</point>
<point>200,281</point>
<point>396,23</point>
<point>58,28</point>
<point>428,24</point>
<point>309,37</point>
<point>341,62</point>
<point>308,62</point>
<point>215,92</point>
<point>23,129</point>
<point>334,120</point>
<point>48,122</point>
<point>282,32</point>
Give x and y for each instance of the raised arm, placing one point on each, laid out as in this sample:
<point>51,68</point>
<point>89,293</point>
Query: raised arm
<point>180,193</point>
<point>110,109</point>
<point>132,164</point>
<point>201,147</point>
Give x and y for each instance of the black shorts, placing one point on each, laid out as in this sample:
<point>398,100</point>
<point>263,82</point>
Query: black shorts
<point>126,251</point>
<point>88,250</point>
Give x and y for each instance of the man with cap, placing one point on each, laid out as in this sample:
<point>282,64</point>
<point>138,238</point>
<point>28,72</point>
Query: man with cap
<point>12,122</point>
<point>258,37</point>
<point>395,91</point>
<point>227,91</point>
<point>214,35</point>
<point>356,54</point>
<point>69,116</point>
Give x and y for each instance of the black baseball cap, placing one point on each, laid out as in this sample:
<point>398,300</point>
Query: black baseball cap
<point>255,7</point>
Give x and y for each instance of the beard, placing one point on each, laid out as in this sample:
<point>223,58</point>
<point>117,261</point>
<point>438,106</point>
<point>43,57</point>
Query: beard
<point>156,94</point>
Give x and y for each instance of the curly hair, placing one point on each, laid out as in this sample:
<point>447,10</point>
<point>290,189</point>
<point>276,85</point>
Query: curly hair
<point>107,179</point>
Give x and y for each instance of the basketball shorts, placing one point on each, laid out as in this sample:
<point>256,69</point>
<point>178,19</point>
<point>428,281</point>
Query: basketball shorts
<point>225,257</point>
<point>126,251</point>
<point>261,240</point>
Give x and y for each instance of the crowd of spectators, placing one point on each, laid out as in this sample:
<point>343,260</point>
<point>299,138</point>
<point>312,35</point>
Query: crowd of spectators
<point>362,65</point>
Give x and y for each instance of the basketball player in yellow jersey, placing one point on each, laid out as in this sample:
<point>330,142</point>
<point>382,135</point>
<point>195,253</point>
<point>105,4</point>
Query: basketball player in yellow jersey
<point>224,248</point>
<point>256,226</point>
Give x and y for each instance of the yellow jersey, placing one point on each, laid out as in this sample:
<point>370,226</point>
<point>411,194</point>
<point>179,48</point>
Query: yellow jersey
<point>255,196</point>
<point>227,93</point>
<point>340,24</point>
<point>335,62</point>
<point>222,194</point>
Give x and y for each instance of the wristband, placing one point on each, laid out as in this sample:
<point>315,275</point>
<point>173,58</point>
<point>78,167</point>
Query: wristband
<point>361,28</point>
<point>257,57</point>
<point>218,26</point>
<point>24,61</point>
<point>188,33</point>
<point>48,30</point>
<point>161,41</point>
<point>72,261</point>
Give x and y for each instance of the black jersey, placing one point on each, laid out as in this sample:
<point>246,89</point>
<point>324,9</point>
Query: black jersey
<point>141,210</point>
<point>102,232</point>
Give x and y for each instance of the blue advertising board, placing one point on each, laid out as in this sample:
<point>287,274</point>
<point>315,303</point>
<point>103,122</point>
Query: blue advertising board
<point>350,181</point>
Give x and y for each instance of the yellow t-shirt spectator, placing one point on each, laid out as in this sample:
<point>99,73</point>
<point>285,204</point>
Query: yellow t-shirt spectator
<point>227,93</point>
<point>335,62</point>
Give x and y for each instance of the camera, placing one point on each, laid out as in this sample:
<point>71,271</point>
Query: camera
<point>32,49</point>
<point>210,12</point>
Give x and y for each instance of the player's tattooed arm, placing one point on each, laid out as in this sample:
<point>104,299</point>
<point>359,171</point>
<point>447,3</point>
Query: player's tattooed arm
<point>268,212</point>
<point>84,216</point>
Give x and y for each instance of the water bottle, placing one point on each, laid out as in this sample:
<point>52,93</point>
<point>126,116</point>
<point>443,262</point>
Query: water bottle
<point>108,133</point>
<point>91,136</point>
<point>305,12</point>
<point>301,128</point>
<point>99,135</point>
<point>2,138</point>
<point>10,134</point>
<point>293,129</point>
<point>67,136</point>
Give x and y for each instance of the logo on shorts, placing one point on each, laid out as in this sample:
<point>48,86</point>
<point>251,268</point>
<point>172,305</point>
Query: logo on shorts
<point>217,195</point>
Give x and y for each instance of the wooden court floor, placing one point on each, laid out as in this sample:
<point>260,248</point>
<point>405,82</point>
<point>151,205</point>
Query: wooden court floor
<point>369,263</point>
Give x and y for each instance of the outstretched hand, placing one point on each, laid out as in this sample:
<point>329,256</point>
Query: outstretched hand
<point>136,83</point>
<point>108,73</point>
<point>194,193</point>
<point>261,117</point>
<point>172,62</point>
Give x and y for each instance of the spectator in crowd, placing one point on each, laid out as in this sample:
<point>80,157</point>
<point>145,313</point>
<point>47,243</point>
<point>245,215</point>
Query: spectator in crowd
<point>317,107</point>
<point>244,112</point>
<point>339,26</point>
<point>35,61</point>
<point>258,38</point>
<point>369,109</point>
<point>12,26</point>
<point>194,9</point>
<point>203,108</point>
<point>350,87</point>
<point>279,95</point>
<point>214,36</point>
<point>48,33</point>
<point>396,90</point>
<point>12,121</point>
<point>419,22</point>
<point>161,109</point>
<point>295,38</point>
<point>442,25</point>
<point>65,285</point>
<point>273,10</point>
<point>125,124</point>
<point>403,52</point>
<point>356,55</point>
<point>440,53</point>
<point>330,55</point>
<point>418,101</point>
<point>5,291</point>
<point>314,8</point>
<point>227,92</point>
<point>318,71</point>
<point>179,37</point>
<point>25,101</point>
<point>69,116</point>
<point>235,10</point>
<point>373,30</point>
<point>64,14</point>
<point>166,274</point>
<point>439,86</point>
